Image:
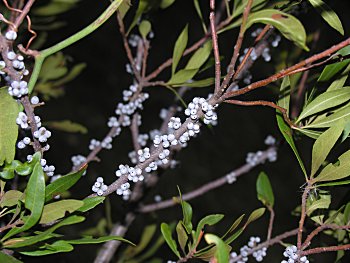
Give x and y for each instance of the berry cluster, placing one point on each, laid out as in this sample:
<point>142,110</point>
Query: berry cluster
<point>99,187</point>
<point>291,253</point>
<point>247,250</point>
<point>201,104</point>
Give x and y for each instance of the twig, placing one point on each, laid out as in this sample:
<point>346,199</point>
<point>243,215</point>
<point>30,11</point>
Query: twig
<point>24,13</point>
<point>288,71</point>
<point>302,215</point>
<point>16,223</point>
<point>263,33</point>
<point>214,38</point>
<point>319,229</point>
<point>207,187</point>
<point>271,221</point>
<point>237,47</point>
<point>127,47</point>
<point>263,103</point>
<point>319,250</point>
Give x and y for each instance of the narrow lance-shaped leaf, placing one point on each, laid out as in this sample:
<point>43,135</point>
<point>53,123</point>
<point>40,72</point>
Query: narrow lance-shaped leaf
<point>287,134</point>
<point>35,198</point>
<point>208,220</point>
<point>328,15</point>
<point>200,56</point>
<point>166,232</point>
<point>290,27</point>
<point>35,239</point>
<point>9,109</point>
<point>264,190</point>
<point>325,101</point>
<point>324,144</point>
<point>58,246</point>
<point>342,114</point>
<point>179,48</point>
<point>91,202</point>
<point>182,236</point>
<point>63,184</point>
<point>199,12</point>
<point>336,171</point>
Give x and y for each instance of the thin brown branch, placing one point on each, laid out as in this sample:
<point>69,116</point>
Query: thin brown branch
<point>287,71</point>
<point>263,103</point>
<point>271,221</point>
<point>127,47</point>
<point>319,229</point>
<point>214,37</point>
<point>302,216</point>
<point>24,12</point>
<point>9,226</point>
<point>263,33</point>
<point>319,250</point>
<point>134,128</point>
<point>237,47</point>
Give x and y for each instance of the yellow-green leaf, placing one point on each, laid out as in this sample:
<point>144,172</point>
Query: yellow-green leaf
<point>290,27</point>
<point>57,210</point>
<point>328,15</point>
<point>179,48</point>
<point>9,110</point>
<point>324,144</point>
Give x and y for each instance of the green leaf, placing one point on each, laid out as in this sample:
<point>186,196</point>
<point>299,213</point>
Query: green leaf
<point>124,8</point>
<point>233,226</point>
<point>63,184</point>
<point>288,25</point>
<point>67,126</point>
<point>197,83</point>
<point>187,215</point>
<point>347,214</point>
<point>342,114</point>
<point>72,74</point>
<point>328,15</point>
<point>98,240</point>
<point>24,169</point>
<point>325,101</point>
<point>336,171</point>
<point>284,96</point>
<point>181,77</point>
<point>199,12</point>
<point>179,48</point>
<point>4,258</point>
<point>43,235</point>
<point>59,246</point>
<point>9,109</point>
<point>34,201</point>
<point>91,202</point>
<point>221,253</point>
<point>166,232</point>
<point>10,198</point>
<point>287,134</point>
<point>208,220</point>
<point>324,144</point>
<point>256,214</point>
<point>334,183</point>
<point>322,203</point>
<point>182,236</point>
<point>55,7</point>
<point>166,3</point>
<point>340,81</point>
<point>143,4</point>
<point>264,190</point>
<point>145,28</point>
<point>200,56</point>
<point>310,133</point>
<point>59,209</point>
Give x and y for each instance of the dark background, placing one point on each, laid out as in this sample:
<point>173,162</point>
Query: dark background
<point>93,96</point>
